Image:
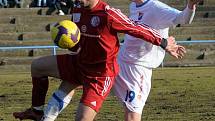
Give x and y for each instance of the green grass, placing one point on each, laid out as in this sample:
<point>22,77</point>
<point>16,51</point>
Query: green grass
<point>177,94</point>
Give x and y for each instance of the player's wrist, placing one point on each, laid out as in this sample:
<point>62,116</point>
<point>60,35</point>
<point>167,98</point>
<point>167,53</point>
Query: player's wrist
<point>192,6</point>
<point>163,43</point>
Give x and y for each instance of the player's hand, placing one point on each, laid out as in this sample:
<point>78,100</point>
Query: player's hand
<point>173,49</point>
<point>193,3</point>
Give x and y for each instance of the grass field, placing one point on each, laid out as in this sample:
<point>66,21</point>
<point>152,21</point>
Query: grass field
<point>178,94</point>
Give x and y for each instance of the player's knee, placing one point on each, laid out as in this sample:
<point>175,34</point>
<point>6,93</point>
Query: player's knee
<point>36,68</point>
<point>132,116</point>
<point>85,113</point>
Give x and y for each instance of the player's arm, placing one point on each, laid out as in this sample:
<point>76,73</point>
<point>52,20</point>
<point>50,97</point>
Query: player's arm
<point>192,3</point>
<point>122,23</point>
<point>187,15</point>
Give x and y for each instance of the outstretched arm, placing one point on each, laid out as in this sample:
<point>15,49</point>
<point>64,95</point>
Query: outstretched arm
<point>121,23</point>
<point>187,15</point>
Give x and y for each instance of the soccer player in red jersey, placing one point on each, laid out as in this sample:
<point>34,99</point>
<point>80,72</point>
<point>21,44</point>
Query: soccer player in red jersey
<point>94,67</point>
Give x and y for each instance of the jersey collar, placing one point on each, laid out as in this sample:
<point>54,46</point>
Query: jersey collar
<point>142,3</point>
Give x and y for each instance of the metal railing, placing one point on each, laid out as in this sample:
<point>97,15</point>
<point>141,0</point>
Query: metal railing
<point>31,47</point>
<point>55,47</point>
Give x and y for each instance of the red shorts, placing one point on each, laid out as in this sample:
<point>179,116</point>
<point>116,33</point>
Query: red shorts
<point>95,89</point>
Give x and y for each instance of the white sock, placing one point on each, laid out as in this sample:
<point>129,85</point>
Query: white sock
<point>56,104</point>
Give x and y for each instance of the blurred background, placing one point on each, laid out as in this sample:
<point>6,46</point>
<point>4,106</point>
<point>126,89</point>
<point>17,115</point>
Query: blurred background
<point>183,90</point>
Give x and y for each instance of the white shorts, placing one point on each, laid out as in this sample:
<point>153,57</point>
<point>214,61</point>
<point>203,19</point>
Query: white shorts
<point>132,86</point>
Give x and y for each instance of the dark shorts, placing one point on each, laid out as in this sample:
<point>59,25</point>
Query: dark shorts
<point>95,89</point>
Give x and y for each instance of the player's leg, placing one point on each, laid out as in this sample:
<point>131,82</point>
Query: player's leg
<point>61,97</point>
<point>59,100</point>
<point>41,68</point>
<point>85,113</point>
<point>132,116</point>
<point>95,91</point>
<point>132,87</point>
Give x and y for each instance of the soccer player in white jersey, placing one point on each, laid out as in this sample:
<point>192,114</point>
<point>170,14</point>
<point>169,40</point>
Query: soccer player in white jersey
<point>138,58</point>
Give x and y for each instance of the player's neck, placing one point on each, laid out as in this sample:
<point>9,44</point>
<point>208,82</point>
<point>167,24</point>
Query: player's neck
<point>93,4</point>
<point>141,2</point>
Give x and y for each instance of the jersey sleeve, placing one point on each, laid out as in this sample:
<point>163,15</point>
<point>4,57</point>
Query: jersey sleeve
<point>166,14</point>
<point>185,17</point>
<point>170,16</point>
<point>121,23</point>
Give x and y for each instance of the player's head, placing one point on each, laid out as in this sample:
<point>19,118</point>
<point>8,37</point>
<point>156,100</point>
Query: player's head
<point>87,3</point>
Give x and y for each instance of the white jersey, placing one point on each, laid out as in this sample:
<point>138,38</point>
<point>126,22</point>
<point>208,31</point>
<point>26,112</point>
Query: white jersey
<point>158,16</point>
<point>137,57</point>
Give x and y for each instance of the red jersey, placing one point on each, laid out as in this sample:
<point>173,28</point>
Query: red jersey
<point>99,42</point>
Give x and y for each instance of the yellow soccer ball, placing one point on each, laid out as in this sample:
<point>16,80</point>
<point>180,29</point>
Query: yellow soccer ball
<point>65,34</point>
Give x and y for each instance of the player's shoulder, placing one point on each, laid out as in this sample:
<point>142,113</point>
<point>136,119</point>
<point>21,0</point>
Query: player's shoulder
<point>132,4</point>
<point>159,4</point>
<point>111,10</point>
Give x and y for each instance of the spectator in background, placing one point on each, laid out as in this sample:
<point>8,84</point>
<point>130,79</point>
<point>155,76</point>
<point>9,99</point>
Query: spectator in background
<point>62,6</point>
<point>41,3</point>
<point>3,3</point>
<point>18,3</point>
